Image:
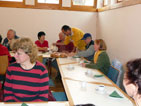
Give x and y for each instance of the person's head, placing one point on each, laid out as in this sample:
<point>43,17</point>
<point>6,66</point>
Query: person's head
<point>99,45</point>
<point>61,36</point>
<point>132,80</point>
<point>66,30</point>
<point>0,39</point>
<point>25,50</point>
<point>41,36</point>
<point>87,38</point>
<point>11,34</point>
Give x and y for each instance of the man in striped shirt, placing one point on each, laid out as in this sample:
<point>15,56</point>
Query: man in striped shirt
<point>26,79</point>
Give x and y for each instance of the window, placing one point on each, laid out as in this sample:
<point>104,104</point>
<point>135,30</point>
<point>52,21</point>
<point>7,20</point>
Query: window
<point>13,0</point>
<point>83,2</point>
<point>100,3</point>
<point>107,2</point>
<point>49,1</point>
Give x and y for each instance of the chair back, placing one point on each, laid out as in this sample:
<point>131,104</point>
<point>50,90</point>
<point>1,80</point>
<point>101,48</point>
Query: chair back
<point>118,65</point>
<point>113,74</point>
<point>3,64</point>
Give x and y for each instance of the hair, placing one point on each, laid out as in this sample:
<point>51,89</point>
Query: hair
<point>12,31</point>
<point>65,28</point>
<point>134,73</point>
<point>27,46</point>
<point>41,33</point>
<point>0,39</point>
<point>101,43</point>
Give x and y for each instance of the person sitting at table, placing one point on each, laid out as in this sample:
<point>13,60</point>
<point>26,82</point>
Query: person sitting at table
<point>41,43</point>
<point>11,34</point>
<point>63,48</point>
<point>73,35</point>
<point>101,59</point>
<point>26,79</point>
<point>4,50</point>
<point>132,80</point>
<point>89,52</point>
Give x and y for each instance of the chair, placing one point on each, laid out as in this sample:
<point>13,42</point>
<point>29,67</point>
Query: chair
<point>118,65</point>
<point>3,64</point>
<point>3,67</point>
<point>113,74</point>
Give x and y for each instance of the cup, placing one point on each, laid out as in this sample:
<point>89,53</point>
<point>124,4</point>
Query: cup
<point>101,88</point>
<point>70,67</point>
<point>89,72</point>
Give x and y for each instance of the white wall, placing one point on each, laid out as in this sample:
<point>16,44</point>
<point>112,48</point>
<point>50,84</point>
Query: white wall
<point>28,22</point>
<point>121,29</point>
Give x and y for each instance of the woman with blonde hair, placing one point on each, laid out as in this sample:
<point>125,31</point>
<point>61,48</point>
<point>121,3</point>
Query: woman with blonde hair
<point>26,79</point>
<point>101,60</point>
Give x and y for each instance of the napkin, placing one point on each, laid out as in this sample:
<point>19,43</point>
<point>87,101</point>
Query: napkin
<point>86,61</point>
<point>98,75</point>
<point>115,94</point>
<point>24,104</point>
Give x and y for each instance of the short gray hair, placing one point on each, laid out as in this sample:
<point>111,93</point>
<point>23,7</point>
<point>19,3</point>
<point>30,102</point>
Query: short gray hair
<point>12,31</point>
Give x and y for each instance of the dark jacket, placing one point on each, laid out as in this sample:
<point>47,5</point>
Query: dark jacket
<point>6,44</point>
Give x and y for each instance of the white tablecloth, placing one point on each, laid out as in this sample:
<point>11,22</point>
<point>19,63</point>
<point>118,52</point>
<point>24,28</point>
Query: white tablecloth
<point>91,95</point>
<point>79,73</point>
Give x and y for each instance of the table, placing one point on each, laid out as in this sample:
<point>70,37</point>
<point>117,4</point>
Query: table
<point>67,60</point>
<point>35,104</point>
<point>79,73</point>
<point>79,95</point>
<point>73,79</point>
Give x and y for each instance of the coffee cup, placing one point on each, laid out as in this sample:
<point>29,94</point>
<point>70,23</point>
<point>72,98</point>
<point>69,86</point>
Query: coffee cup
<point>101,88</point>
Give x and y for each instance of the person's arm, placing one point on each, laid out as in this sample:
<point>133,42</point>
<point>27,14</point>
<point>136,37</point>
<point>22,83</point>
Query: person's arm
<point>86,53</point>
<point>44,86</point>
<point>99,64</point>
<point>42,48</point>
<point>59,43</point>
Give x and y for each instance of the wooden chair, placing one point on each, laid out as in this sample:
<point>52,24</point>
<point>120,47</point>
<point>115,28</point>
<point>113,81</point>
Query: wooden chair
<point>3,64</point>
<point>3,67</point>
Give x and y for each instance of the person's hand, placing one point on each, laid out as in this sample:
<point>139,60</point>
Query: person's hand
<point>45,49</point>
<point>83,64</point>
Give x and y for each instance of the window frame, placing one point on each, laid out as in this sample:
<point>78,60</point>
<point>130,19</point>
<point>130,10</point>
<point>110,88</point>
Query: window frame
<point>12,4</point>
<point>50,6</point>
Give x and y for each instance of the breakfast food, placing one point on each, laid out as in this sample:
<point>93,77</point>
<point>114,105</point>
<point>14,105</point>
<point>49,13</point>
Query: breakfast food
<point>57,55</point>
